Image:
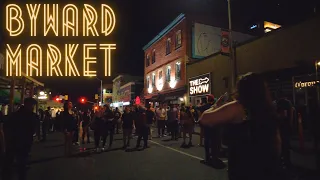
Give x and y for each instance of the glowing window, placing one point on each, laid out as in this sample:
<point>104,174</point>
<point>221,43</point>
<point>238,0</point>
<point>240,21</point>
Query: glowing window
<point>168,46</point>
<point>153,56</point>
<point>168,74</point>
<point>178,39</point>
<point>147,60</point>
<point>178,70</point>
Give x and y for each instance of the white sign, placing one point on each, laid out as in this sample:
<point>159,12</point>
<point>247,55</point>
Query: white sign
<point>200,85</point>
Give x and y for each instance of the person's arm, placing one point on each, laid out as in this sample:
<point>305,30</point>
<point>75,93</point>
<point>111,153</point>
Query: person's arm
<point>227,113</point>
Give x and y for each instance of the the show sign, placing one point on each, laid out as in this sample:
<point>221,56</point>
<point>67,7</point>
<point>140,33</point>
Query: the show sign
<point>200,85</point>
<point>60,37</point>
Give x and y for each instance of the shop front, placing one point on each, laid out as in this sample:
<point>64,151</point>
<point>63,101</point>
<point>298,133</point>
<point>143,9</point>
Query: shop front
<point>199,87</point>
<point>177,96</point>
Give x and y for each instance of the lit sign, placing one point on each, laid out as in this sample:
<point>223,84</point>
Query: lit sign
<point>200,85</point>
<point>59,21</point>
<point>305,84</point>
<point>253,26</point>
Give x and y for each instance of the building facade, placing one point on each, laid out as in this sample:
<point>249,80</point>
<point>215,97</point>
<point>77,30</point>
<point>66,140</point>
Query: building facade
<point>166,56</point>
<point>287,58</point>
<point>120,81</point>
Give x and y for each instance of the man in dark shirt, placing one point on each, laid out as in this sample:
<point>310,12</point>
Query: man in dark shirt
<point>211,139</point>
<point>18,130</point>
<point>150,118</point>
<point>127,126</point>
<point>285,113</point>
<point>141,127</point>
<point>109,120</point>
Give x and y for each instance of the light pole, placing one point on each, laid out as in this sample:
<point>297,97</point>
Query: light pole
<point>101,91</point>
<point>233,63</point>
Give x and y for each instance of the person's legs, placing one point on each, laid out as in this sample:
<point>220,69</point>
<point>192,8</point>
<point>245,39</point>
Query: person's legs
<point>145,137</point>
<point>22,159</point>
<point>111,136</point>
<point>190,138</point>
<point>83,134</point>
<point>88,134</point>
<point>207,143</point>
<point>159,128</point>
<point>96,139</point>
<point>124,132</point>
<point>8,163</point>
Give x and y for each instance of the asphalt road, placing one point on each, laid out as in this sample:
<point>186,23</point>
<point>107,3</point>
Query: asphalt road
<point>164,160</point>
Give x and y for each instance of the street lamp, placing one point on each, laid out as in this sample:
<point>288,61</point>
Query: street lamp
<point>101,93</point>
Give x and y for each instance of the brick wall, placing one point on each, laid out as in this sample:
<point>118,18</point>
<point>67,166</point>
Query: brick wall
<point>163,60</point>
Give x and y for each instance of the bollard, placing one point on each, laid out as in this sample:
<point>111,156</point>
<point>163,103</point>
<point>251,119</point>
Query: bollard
<point>300,129</point>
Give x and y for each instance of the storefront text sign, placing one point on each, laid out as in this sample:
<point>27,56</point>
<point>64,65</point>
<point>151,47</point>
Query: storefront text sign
<point>200,85</point>
<point>67,23</point>
<point>305,84</point>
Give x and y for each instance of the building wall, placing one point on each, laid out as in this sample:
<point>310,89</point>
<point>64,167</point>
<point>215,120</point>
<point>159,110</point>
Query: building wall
<point>288,47</point>
<point>163,60</point>
<point>285,48</point>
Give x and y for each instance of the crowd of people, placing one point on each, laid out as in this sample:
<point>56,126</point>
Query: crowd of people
<point>257,129</point>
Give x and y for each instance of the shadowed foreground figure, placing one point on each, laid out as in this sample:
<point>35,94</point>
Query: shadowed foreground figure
<point>18,130</point>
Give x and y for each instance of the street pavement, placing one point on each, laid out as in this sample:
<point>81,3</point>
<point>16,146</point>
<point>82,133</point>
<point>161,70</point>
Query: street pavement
<point>164,160</point>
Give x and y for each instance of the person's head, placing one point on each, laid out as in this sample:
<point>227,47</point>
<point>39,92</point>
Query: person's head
<point>210,98</point>
<point>252,91</point>
<point>30,103</point>
<point>161,106</point>
<point>126,108</point>
<point>117,109</point>
<point>148,107</point>
<point>67,106</point>
<point>48,108</point>
<point>171,106</point>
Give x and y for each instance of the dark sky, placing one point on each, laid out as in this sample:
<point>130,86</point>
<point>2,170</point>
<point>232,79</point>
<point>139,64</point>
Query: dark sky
<point>138,21</point>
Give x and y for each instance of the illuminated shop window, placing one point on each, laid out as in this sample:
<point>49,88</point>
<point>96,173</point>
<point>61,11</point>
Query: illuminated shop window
<point>160,75</point>
<point>148,82</point>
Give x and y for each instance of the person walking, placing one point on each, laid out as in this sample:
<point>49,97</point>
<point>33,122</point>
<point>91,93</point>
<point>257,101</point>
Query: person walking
<point>69,127</point>
<point>109,126</point>
<point>254,144</point>
<point>18,132</point>
<point>187,122</point>
<point>117,119</point>
<point>45,123</point>
<point>173,122</point>
<point>86,121</point>
<point>127,126</point>
<point>141,127</point>
<point>161,115</point>
<point>150,119</point>
<point>98,126</point>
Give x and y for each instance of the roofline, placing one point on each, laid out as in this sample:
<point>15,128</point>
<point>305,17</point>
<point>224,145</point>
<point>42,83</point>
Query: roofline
<point>127,84</point>
<point>165,31</point>
<point>117,78</point>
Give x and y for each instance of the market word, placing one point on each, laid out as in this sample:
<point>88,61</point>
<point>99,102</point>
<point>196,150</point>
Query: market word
<point>15,25</point>
<point>199,86</point>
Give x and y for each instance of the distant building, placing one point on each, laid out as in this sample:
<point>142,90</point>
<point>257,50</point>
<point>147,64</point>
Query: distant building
<point>120,81</point>
<point>186,38</point>
<point>107,93</point>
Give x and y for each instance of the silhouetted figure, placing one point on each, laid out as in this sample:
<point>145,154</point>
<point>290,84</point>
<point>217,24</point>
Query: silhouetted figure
<point>19,129</point>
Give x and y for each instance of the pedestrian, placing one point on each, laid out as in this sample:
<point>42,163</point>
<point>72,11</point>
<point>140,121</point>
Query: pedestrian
<point>285,114</point>
<point>117,119</point>
<point>127,126</point>
<point>98,127</point>
<point>86,121</point>
<point>18,132</point>
<point>141,127</point>
<point>211,138</point>
<point>187,123</point>
<point>75,139</point>
<point>45,124</point>
<point>69,127</point>
<point>173,122</point>
<point>150,119</point>
<point>161,115</point>
<point>254,142</point>
<point>109,126</point>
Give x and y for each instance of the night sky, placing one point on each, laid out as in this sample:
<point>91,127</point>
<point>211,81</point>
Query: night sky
<point>138,21</point>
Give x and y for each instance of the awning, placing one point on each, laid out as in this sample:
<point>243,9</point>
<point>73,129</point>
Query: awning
<point>169,96</point>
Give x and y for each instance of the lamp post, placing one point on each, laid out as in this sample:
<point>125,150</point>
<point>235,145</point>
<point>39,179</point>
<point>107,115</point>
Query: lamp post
<point>101,92</point>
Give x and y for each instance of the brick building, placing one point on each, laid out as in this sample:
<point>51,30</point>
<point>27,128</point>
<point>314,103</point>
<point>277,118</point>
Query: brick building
<point>185,38</point>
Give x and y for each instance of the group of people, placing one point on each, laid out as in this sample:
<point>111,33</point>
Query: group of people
<point>258,131</point>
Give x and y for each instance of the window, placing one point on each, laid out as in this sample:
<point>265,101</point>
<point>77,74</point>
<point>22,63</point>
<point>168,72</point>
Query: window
<point>153,56</point>
<point>160,75</point>
<point>178,39</point>
<point>147,60</point>
<point>168,46</point>
<point>168,74</point>
<point>153,79</point>
<point>178,70</point>
<point>148,82</point>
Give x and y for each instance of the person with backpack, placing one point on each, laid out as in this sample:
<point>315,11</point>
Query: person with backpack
<point>254,141</point>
